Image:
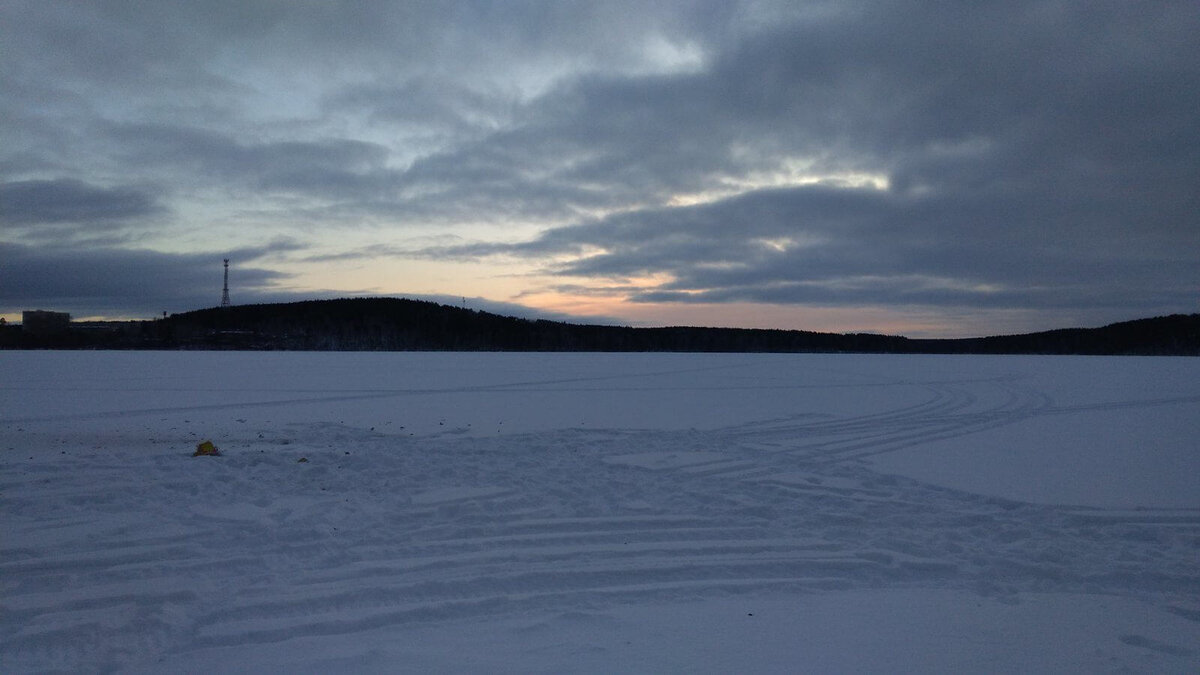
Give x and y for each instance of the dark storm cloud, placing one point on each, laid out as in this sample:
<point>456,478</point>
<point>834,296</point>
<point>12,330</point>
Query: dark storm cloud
<point>38,202</point>
<point>1039,156</point>
<point>939,98</point>
<point>125,282</point>
<point>1031,154</point>
<point>340,167</point>
<point>839,246</point>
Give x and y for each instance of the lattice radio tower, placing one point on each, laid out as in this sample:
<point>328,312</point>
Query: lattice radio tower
<point>225,290</point>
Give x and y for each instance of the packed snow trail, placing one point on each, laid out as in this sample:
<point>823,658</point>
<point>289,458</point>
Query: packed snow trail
<point>122,551</point>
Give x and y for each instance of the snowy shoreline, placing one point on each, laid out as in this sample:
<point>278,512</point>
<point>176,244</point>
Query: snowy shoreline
<point>598,512</point>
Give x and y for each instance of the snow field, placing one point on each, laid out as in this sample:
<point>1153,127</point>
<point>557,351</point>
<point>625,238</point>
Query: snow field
<point>598,513</point>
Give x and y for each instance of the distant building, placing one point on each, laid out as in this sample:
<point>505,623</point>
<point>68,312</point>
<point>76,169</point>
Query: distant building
<point>42,323</point>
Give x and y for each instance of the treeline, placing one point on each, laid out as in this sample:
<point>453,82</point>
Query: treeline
<point>399,324</point>
<point>393,324</point>
<point>1177,334</point>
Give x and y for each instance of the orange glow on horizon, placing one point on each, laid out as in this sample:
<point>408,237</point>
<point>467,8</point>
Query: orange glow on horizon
<point>909,323</point>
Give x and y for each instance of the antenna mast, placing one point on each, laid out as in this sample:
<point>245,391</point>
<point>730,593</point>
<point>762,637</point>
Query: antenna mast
<point>225,290</point>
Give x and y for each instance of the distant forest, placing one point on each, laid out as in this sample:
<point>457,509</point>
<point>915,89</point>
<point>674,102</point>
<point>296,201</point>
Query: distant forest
<point>394,324</point>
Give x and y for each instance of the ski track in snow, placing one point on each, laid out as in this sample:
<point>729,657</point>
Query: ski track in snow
<point>122,549</point>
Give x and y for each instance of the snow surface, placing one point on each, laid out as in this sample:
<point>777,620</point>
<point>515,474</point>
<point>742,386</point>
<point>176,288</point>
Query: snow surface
<point>598,513</point>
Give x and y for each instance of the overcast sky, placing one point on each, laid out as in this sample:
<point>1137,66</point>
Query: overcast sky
<point>923,168</point>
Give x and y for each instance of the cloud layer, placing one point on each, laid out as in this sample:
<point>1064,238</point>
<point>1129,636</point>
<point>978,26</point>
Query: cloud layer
<point>1039,156</point>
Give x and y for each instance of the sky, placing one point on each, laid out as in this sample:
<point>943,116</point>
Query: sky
<point>916,168</point>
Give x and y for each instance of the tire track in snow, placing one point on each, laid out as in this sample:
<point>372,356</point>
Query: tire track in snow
<point>951,410</point>
<point>401,530</point>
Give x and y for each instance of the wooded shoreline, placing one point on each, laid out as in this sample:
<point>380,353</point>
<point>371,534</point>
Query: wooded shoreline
<point>397,324</point>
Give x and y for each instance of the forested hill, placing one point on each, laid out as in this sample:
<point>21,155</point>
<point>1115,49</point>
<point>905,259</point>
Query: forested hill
<point>1177,334</point>
<point>401,324</point>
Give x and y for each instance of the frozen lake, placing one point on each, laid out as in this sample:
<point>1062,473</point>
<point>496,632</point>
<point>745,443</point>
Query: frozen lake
<point>598,512</point>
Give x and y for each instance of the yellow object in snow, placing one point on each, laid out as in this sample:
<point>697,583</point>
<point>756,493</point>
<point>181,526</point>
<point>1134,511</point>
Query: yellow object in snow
<point>206,448</point>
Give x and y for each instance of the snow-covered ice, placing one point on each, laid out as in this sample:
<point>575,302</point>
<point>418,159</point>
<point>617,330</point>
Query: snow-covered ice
<point>598,513</point>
